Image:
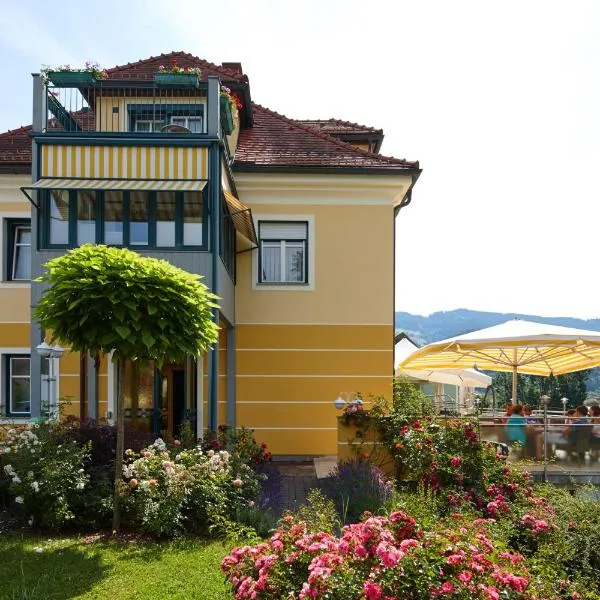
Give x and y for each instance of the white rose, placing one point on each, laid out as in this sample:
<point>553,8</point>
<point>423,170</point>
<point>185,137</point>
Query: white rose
<point>19,500</point>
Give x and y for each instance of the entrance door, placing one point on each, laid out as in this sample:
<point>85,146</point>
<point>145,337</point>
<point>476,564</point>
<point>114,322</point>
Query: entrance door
<point>178,400</point>
<point>173,399</point>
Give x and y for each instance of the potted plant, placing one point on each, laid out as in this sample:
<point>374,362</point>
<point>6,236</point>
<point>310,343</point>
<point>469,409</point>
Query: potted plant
<point>67,76</point>
<point>230,105</point>
<point>174,75</point>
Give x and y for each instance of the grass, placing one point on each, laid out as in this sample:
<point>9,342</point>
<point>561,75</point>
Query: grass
<point>36,568</point>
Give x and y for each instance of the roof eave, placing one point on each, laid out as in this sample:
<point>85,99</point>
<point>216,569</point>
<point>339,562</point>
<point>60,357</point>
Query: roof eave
<point>389,170</point>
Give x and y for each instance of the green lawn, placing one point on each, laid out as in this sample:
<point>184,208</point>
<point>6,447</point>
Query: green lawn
<point>43,568</point>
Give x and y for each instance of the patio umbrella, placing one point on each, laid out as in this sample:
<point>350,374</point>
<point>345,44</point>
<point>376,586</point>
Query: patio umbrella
<point>516,346</point>
<point>461,377</point>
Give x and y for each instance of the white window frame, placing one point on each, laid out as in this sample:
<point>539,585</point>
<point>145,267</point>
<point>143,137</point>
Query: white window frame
<point>15,247</point>
<point>152,122</point>
<point>187,120</point>
<point>6,282</point>
<point>9,376</point>
<point>310,246</point>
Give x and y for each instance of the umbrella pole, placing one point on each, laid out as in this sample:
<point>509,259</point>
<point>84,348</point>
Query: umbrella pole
<point>514,385</point>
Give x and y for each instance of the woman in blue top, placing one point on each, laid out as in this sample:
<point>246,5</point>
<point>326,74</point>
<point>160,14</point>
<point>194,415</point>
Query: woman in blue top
<point>515,426</point>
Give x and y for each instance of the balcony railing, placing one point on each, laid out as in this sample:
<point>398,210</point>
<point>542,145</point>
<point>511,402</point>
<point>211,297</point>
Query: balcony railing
<point>551,446</point>
<point>118,107</point>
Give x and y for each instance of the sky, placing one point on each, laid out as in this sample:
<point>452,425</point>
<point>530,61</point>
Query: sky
<point>499,101</point>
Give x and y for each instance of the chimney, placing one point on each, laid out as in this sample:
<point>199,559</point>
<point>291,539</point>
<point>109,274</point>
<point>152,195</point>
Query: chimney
<point>236,67</point>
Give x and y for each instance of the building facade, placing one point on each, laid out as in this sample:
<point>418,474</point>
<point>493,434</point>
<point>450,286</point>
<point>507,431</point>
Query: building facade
<point>291,223</point>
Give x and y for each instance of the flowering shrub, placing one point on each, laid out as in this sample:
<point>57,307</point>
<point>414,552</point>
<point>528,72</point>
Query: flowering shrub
<point>240,442</point>
<point>380,558</point>
<point>234,99</point>
<point>90,67</point>
<point>169,490</point>
<point>174,67</point>
<point>45,473</point>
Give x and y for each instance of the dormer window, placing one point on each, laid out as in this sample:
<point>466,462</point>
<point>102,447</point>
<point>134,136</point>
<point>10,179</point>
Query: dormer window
<point>154,118</point>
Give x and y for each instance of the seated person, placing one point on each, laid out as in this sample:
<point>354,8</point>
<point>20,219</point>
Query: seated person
<point>576,436</point>
<point>595,421</point>
<point>507,412</point>
<point>515,426</point>
<point>534,434</point>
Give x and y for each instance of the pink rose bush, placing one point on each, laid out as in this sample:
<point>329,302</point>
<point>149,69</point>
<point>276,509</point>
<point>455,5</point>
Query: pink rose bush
<point>381,558</point>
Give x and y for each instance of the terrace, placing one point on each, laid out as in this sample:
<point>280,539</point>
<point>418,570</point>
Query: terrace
<point>136,108</point>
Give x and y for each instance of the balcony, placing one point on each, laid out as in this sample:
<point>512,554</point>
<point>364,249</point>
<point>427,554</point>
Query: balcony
<point>123,108</point>
<point>129,108</point>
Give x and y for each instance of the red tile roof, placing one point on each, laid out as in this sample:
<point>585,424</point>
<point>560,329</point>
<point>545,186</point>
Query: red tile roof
<point>277,141</point>
<point>336,126</point>
<point>273,141</point>
<point>15,146</point>
<point>146,68</point>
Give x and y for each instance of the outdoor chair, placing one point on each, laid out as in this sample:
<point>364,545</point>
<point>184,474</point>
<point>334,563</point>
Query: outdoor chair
<point>580,440</point>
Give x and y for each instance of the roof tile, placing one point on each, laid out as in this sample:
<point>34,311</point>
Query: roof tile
<point>145,69</point>
<point>276,140</point>
<point>337,126</point>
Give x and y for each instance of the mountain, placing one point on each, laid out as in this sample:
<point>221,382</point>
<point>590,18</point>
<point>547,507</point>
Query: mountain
<point>445,324</point>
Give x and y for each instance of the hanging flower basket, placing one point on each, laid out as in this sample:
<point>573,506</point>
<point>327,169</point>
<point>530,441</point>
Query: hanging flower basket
<point>177,79</point>
<point>226,115</point>
<point>72,78</point>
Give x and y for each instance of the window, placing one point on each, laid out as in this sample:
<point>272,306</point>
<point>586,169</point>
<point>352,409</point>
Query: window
<point>17,383</point>
<point>145,118</point>
<point>18,250</point>
<point>58,210</point>
<point>86,217</point>
<point>138,219</point>
<point>124,218</point>
<point>194,124</point>
<point>283,252</point>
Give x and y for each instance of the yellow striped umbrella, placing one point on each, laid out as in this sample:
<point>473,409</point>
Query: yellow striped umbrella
<point>516,346</point>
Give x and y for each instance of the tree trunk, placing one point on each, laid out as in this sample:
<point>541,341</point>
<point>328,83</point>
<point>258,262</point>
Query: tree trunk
<point>120,422</point>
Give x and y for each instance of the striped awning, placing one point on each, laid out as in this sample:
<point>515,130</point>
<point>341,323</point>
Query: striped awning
<point>162,185</point>
<point>241,217</point>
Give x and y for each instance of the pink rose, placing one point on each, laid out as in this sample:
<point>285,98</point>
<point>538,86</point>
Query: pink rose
<point>372,591</point>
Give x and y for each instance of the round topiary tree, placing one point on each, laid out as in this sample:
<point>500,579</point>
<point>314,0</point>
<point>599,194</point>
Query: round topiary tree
<point>103,300</point>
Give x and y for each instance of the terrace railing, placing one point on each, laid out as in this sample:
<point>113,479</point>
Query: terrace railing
<point>126,108</point>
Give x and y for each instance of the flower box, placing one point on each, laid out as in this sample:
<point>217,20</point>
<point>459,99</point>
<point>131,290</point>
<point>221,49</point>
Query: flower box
<point>226,115</point>
<point>72,78</point>
<point>177,79</point>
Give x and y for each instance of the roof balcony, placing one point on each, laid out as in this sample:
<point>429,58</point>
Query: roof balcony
<point>182,107</point>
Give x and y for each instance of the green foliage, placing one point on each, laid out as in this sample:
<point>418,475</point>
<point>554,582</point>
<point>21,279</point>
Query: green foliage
<point>103,299</point>
<point>261,520</point>
<point>318,514</point>
<point>532,387</point>
<point>408,400</point>
<point>577,539</point>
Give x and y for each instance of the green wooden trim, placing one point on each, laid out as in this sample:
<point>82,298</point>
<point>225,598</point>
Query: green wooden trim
<point>178,219</point>
<point>128,138</point>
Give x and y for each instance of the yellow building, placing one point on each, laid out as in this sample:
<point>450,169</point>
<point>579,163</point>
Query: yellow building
<point>291,223</point>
